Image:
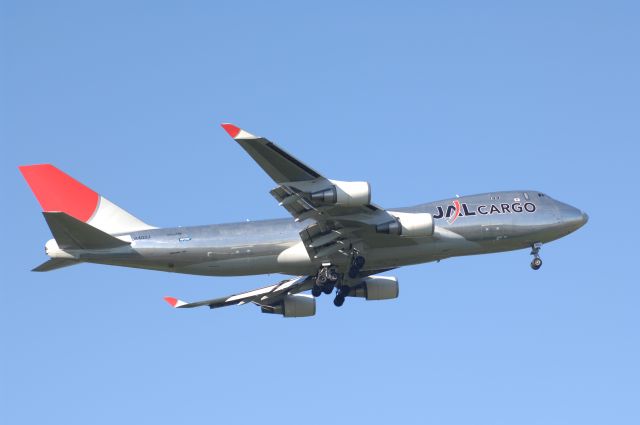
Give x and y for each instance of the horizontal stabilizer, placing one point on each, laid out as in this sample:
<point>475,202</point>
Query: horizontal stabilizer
<point>55,263</point>
<point>71,233</point>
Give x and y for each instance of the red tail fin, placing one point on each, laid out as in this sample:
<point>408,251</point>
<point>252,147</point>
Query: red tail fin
<point>57,191</point>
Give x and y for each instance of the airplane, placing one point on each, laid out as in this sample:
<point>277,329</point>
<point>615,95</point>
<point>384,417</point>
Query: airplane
<point>338,241</point>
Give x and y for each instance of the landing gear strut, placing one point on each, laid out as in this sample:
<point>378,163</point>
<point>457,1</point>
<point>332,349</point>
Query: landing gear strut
<point>536,263</point>
<point>356,265</point>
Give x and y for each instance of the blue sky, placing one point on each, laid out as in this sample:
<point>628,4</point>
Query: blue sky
<point>424,100</point>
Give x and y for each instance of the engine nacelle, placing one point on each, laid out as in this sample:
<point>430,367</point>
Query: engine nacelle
<point>413,225</point>
<point>377,288</point>
<point>297,305</point>
<point>349,194</point>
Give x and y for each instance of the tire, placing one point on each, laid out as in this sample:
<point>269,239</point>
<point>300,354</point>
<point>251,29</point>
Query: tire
<point>327,289</point>
<point>338,301</point>
<point>316,291</point>
<point>359,261</point>
<point>536,263</point>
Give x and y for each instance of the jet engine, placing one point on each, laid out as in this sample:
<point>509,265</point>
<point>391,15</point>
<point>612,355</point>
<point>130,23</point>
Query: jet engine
<point>349,194</point>
<point>411,225</point>
<point>297,305</point>
<point>377,288</point>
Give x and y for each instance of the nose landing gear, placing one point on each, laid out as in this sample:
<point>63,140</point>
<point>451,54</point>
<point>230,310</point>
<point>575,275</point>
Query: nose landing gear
<point>536,263</point>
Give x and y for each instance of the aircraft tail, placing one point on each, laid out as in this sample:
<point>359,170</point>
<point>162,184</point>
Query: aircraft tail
<point>61,193</point>
<point>55,263</point>
<point>71,233</point>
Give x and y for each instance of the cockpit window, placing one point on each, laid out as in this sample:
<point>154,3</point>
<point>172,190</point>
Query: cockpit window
<point>541,195</point>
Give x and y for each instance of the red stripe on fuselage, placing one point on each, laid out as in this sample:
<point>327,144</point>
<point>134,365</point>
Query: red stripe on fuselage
<point>456,214</point>
<point>57,191</point>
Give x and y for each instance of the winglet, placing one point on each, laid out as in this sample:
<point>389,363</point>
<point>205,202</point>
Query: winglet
<point>174,302</point>
<point>236,132</point>
<point>231,129</point>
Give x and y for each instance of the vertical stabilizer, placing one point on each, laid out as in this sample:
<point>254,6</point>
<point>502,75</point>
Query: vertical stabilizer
<point>58,192</point>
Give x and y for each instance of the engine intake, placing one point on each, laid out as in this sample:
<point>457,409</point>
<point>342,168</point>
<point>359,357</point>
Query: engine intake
<point>377,288</point>
<point>411,225</point>
<point>349,194</point>
<point>297,305</point>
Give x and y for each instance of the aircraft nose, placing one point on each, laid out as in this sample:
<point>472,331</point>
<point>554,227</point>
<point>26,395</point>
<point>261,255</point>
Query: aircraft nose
<point>585,218</point>
<point>573,217</point>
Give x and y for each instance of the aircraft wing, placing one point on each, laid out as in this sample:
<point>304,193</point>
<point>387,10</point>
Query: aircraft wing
<point>266,297</point>
<point>342,213</point>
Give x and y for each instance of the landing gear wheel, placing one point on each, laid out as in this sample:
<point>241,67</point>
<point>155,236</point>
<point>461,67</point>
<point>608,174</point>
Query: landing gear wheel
<point>536,263</point>
<point>333,276</point>
<point>359,261</point>
<point>316,291</point>
<point>341,294</point>
<point>327,288</point>
<point>321,279</point>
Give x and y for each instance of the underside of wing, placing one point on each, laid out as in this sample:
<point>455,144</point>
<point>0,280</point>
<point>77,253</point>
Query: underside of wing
<point>285,298</point>
<point>281,298</point>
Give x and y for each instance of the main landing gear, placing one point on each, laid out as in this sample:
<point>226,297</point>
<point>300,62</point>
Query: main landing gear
<point>354,270</point>
<point>356,265</point>
<point>341,294</point>
<point>329,278</point>
<point>536,263</point>
<point>325,280</point>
